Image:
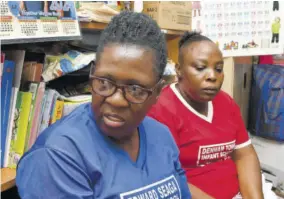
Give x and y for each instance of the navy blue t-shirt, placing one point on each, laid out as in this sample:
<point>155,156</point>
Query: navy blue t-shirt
<point>73,159</point>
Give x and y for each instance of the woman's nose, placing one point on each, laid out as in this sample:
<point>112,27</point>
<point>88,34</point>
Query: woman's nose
<point>211,75</point>
<point>117,99</point>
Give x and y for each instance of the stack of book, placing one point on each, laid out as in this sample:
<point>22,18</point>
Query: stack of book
<point>28,106</point>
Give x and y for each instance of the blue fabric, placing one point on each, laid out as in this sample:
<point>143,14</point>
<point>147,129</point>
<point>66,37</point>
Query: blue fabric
<point>268,101</point>
<point>73,159</point>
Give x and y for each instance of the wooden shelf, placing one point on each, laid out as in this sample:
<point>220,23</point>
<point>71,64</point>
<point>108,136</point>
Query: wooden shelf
<point>93,25</point>
<point>39,40</point>
<point>171,34</point>
<point>8,178</point>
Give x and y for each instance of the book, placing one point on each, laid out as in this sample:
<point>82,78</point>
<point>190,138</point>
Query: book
<point>36,117</point>
<point>6,92</point>
<point>43,103</point>
<point>18,57</point>
<point>47,110</point>
<point>53,106</point>
<point>70,106</point>
<point>31,81</point>
<point>32,87</point>
<point>78,98</point>
<point>1,74</point>
<point>32,71</point>
<point>58,111</point>
<point>1,66</point>
<point>21,120</point>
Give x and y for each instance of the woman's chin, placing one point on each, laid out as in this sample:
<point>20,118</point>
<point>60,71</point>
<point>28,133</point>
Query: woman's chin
<point>116,132</point>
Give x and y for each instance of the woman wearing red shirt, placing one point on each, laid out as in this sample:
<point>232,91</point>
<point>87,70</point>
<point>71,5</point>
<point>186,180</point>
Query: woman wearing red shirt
<point>215,149</point>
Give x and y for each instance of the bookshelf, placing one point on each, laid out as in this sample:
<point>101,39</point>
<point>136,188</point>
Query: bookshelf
<point>15,50</point>
<point>93,25</point>
<point>8,177</point>
<point>170,34</point>
<point>39,40</point>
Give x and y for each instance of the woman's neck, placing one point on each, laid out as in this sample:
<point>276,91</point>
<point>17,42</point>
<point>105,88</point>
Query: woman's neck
<point>130,144</point>
<point>200,107</point>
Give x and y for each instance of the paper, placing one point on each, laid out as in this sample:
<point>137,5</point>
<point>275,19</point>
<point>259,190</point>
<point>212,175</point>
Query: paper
<point>38,19</point>
<point>244,28</point>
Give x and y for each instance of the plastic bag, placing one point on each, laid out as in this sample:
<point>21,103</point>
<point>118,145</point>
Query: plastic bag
<point>95,11</point>
<point>57,66</point>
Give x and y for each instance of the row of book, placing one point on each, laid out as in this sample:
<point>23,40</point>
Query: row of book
<point>28,106</point>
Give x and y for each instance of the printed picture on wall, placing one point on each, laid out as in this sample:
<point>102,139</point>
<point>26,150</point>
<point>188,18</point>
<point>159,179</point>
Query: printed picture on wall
<point>275,6</point>
<point>243,28</point>
<point>275,28</point>
<point>38,19</point>
<point>196,16</point>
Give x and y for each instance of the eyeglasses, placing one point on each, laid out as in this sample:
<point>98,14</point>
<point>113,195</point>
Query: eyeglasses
<point>132,93</point>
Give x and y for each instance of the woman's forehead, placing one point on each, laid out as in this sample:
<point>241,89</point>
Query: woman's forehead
<point>203,50</point>
<point>124,62</point>
<point>112,52</point>
<point>128,51</point>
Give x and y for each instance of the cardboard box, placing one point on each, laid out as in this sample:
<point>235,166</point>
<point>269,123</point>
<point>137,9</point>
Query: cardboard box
<point>175,15</point>
<point>237,82</point>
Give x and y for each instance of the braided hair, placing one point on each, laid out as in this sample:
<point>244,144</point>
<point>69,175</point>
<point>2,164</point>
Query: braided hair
<point>136,29</point>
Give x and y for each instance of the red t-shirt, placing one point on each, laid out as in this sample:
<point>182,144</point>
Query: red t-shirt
<point>206,143</point>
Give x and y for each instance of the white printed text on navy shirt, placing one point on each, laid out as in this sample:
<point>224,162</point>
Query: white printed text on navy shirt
<point>167,188</point>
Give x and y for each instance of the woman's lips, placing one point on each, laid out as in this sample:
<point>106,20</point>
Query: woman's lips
<point>210,91</point>
<point>113,120</point>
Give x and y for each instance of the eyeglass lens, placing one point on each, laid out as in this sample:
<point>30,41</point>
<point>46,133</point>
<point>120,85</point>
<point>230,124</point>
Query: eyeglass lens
<point>132,93</point>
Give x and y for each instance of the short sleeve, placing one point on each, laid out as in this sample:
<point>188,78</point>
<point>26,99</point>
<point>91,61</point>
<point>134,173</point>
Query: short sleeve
<point>183,181</point>
<point>182,177</point>
<point>242,139</point>
<point>48,173</point>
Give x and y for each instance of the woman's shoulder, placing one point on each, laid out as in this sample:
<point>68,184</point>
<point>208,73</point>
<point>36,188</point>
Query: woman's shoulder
<point>223,98</point>
<point>167,91</point>
<point>73,131</point>
<point>225,105</point>
<point>149,122</point>
<point>167,101</point>
<point>73,137</point>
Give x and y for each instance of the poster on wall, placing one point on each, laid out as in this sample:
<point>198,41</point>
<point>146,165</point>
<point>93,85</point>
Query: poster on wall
<point>196,16</point>
<point>243,28</point>
<point>38,19</point>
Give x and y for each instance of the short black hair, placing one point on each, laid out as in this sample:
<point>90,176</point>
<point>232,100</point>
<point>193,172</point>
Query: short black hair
<point>138,29</point>
<point>190,37</point>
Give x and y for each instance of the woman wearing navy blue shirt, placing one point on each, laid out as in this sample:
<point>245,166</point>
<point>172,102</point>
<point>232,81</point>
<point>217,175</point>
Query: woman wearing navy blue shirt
<point>109,149</point>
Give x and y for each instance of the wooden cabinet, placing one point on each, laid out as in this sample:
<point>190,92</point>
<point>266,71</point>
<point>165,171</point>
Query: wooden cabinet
<point>237,82</point>
<point>172,44</point>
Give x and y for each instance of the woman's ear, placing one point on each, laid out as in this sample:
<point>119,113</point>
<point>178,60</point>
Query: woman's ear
<point>158,90</point>
<point>160,87</point>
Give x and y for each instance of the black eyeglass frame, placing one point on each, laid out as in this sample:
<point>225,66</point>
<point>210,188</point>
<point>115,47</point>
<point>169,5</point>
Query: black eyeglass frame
<point>122,88</point>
